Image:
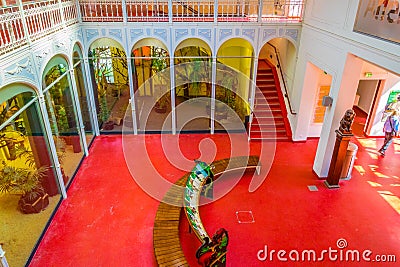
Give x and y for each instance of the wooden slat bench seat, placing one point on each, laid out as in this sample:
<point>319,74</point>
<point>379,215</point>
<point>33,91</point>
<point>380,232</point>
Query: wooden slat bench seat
<point>166,242</point>
<point>167,246</point>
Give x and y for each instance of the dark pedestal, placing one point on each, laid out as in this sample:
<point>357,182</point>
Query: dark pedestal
<point>338,156</point>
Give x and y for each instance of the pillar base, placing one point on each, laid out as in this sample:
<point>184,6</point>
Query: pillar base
<point>334,186</point>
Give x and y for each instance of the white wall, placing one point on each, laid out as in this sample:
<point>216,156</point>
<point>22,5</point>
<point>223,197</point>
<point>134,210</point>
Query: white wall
<point>322,79</point>
<point>328,42</point>
<point>366,90</point>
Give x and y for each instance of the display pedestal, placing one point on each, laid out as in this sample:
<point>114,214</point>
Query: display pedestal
<point>338,156</point>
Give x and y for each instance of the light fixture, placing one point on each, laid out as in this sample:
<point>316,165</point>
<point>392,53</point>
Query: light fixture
<point>368,74</point>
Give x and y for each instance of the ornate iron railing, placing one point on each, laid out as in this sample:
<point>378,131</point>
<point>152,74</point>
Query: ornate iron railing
<point>24,22</point>
<point>28,21</point>
<point>192,10</point>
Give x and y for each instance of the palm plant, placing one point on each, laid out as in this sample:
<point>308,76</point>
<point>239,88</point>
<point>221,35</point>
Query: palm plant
<point>25,180</point>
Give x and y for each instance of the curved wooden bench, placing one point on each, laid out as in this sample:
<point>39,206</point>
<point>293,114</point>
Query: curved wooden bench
<point>166,242</point>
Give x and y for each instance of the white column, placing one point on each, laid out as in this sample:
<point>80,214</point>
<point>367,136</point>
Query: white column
<point>92,104</point>
<point>213,78</point>
<point>132,99</point>
<point>172,78</point>
<point>52,147</point>
<point>252,94</point>
<point>80,127</point>
<point>343,97</point>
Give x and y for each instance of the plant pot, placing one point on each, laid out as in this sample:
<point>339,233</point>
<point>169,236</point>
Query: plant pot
<point>108,125</point>
<point>28,206</point>
<point>67,139</point>
<point>76,144</point>
<point>160,109</point>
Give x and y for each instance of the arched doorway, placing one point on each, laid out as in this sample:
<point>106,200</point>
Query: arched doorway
<point>151,62</point>
<point>27,178</point>
<point>233,80</point>
<point>193,85</point>
<point>63,116</point>
<point>274,81</point>
<point>83,96</point>
<point>108,66</point>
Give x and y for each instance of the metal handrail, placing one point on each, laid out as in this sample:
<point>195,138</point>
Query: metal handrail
<point>279,66</point>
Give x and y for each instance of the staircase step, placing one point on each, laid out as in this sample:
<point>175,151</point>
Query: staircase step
<point>267,88</point>
<point>269,134</point>
<point>266,81</point>
<point>270,139</point>
<point>268,123</point>
<point>267,100</point>
<point>265,117</point>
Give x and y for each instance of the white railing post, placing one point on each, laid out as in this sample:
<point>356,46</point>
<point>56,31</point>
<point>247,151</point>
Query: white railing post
<point>215,11</point>
<point>260,10</point>
<point>78,11</point>
<point>170,11</point>
<point>21,10</point>
<point>60,6</point>
<point>124,12</point>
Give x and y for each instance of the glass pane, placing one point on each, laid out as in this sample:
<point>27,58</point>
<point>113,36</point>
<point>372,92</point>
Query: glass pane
<point>152,89</point>
<point>231,93</point>
<point>83,100</point>
<point>62,117</point>
<point>111,90</point>
<point>193,89</point>
<point>28,187</point>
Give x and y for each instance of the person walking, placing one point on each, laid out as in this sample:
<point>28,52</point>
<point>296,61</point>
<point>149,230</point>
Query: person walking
<point>390,128</point>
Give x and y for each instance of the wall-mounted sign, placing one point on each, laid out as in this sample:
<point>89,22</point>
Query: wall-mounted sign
<point>379,18</point>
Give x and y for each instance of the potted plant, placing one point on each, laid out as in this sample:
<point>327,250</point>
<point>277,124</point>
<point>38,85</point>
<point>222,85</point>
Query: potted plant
<point>25,181</point>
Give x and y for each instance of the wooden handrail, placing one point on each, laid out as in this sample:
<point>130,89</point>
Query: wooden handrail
<point>283,80</point>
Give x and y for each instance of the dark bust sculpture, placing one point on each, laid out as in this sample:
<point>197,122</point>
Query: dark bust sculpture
<point>347,121</point>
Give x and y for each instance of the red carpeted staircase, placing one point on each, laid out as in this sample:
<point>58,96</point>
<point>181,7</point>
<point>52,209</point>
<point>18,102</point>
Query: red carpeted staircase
<point>270,117</point>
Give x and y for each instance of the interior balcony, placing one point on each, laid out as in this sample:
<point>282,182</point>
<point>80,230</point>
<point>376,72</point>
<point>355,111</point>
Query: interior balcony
<point>23,22</point>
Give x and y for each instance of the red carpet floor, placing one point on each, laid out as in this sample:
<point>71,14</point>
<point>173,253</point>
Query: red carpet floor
<point>107,220</point>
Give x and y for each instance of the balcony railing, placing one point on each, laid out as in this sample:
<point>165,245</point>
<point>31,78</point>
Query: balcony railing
<point>194,11</point>
<point>26,21</point>
<point>29,21</point>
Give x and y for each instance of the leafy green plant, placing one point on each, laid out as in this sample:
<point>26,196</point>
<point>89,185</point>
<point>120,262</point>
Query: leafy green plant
<point>159,63</point>
<point>62,121</point>
<point>24,180</point>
